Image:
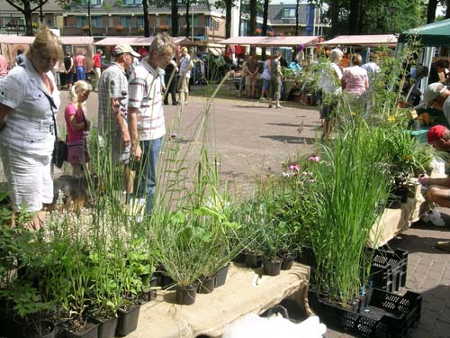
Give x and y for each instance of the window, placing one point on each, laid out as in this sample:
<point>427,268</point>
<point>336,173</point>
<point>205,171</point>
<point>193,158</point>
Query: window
<point>288,12</point>
<point>97,21</point>
<point>94,3</point>
<point>125,21</point>
<point>140,21</point>
<point>81,21</point>
<point>132,2</point>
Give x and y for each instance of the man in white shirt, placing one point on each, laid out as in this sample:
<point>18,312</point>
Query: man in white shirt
<point>185,75</point>
<point>146,115</point>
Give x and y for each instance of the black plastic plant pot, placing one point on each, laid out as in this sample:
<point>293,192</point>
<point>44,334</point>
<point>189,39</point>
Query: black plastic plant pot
<point>272,267</point>
<point>127,321</point>
<point>221,276</point>
<point>46,330</point>
<point>206,285</point>
<point>185,295</point>
<point>253,260</point>
<point>89,331</point>
<point>107,327</point>
<point>287,263</point>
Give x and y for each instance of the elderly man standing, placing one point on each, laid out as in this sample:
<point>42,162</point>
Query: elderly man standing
<point>185,75</point>
<point>113,105</point>
<point>146,115</point>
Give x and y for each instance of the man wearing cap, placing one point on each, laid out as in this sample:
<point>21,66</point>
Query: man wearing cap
<point>437,96</point>
<point>146,115</point>
<point>438,190</point>
<point>112,107</point>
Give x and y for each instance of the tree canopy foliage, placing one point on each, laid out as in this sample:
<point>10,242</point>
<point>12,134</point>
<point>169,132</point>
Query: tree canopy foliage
<point>373,16</point>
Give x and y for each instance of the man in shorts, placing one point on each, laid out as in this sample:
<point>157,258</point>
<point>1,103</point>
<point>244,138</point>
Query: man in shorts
<point>437,189</point>
<point>113,106</point>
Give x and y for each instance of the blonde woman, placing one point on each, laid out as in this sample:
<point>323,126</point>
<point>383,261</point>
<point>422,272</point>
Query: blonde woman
<point>77,126</point>
<point>29,99</point>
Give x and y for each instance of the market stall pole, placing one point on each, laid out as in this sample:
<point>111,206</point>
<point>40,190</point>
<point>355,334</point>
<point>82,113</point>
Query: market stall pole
<point>244,292</point>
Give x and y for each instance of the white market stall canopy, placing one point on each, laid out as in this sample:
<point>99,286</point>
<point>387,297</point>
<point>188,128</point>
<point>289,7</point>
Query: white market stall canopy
<point>362,40</point>
<point>272,41</point>
<point>28,40</point>
<point>134,41</point>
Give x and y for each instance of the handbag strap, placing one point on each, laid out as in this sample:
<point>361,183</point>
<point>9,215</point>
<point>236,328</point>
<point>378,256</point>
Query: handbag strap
<point>52,108</point>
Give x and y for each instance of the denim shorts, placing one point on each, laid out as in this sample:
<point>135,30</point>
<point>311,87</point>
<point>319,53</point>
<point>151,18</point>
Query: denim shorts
<point>266,84</point>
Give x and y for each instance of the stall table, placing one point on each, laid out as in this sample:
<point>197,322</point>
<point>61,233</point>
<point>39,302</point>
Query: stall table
<point>244,292</point>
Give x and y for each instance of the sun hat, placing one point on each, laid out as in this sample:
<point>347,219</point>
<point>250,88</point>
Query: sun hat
<point>435,133</point>
<point>432,92</point>
<point>121,49</point>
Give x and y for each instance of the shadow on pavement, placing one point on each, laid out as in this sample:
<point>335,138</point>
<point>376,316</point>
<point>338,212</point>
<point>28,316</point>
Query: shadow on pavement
<point>291,139</point>
<point>414,243</point>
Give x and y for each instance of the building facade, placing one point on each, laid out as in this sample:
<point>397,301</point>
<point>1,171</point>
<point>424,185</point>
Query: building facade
<point>125,17</point>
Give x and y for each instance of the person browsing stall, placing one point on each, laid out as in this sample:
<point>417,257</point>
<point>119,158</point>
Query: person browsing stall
<point>146,115</point>
<point>29,98</point>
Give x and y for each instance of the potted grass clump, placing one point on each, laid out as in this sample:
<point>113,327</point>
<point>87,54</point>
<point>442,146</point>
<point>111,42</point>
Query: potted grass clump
<point>352,185</point>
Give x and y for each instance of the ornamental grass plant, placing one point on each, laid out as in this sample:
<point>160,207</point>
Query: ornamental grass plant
<point>352,183</point>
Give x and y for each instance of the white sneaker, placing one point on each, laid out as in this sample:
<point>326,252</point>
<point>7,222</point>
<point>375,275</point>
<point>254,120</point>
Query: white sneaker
<point>434,217</point>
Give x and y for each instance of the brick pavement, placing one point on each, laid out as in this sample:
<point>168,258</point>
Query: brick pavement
<point>428,274</point>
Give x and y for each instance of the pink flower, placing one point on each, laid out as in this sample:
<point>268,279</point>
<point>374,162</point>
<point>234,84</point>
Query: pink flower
<point>314,158</point>
<point>294,167</point>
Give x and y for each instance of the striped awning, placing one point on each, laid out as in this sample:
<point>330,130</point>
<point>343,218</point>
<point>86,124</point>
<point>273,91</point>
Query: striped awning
<point>362,40</point>
<point>272,41</point>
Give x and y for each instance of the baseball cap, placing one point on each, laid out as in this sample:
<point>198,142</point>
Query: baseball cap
<point>432,92</point>
<point>435,133</point>
<point>120,49</point>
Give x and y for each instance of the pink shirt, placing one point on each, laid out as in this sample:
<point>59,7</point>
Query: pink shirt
<point>80,61</point>
<point>3,66</point>
<point>356,80</point>
<point>73,135</point>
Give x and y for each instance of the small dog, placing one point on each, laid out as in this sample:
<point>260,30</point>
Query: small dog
<point>72,193</point>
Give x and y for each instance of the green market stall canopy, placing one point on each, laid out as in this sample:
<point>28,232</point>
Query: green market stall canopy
<point>431,35</point>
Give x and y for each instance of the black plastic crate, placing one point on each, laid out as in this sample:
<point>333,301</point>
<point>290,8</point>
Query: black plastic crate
<point>387,315</point>
<point>306,256</point>
<point>389,269</point>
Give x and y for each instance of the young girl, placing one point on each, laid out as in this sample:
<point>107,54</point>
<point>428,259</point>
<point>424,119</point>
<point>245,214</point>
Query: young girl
<point>77,127</point>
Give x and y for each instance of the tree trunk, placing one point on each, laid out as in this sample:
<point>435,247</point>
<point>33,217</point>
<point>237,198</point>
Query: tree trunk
<point>89,18</point>
<point>297,8</point>
<point>146,22</point>
<point>174,5</point>
<point>354,17</point>
<point>228,8</point>
<point>264,26</point>
<point>188,23</point>
<point>447,10</point>
<point>334,15</point>
<point>28,18</point>
<point>252,26</point>
<point>431,10</point>
<point>41,13</point>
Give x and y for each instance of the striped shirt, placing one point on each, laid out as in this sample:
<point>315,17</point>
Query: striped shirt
<point>145,95</point>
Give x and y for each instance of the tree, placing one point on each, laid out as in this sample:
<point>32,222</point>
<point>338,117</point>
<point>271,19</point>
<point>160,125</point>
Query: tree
<point>431,10</point>
<point>228,6</point>
<point>174,10</point>
<point>146,23</point>
<point>447,10</point>
<point>67,4</point>
<point>253,13</point>
<point>27,8</point>
<point>297,8</point>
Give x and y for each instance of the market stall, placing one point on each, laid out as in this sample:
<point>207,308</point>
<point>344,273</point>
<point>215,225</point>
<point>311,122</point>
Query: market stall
<point>379,40</point>
<point>277,42</point>
<point>10,44</point>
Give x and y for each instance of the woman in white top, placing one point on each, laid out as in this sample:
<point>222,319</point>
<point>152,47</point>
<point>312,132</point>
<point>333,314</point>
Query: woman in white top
<point>28,98</point>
